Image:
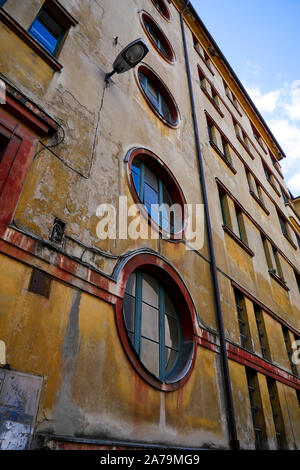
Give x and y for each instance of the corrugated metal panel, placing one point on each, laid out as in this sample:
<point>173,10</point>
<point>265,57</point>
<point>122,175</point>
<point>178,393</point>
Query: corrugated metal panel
<point>19,399</point>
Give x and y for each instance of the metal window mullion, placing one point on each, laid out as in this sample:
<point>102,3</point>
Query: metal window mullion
<point>142,182</point>
<point>162,352</point>
<point>160,200</point>
<point>160,103</point>
<point>138,313</point>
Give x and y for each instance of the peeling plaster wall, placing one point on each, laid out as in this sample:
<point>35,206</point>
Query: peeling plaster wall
<point>90,388</point>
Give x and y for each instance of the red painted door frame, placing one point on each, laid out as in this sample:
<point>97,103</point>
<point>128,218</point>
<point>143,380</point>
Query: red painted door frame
<point>14,164</point>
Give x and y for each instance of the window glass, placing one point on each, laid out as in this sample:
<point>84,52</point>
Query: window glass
<point>152,324</point>
<point>157,98</point>
<point>47,31</point>
<point>154,194</point>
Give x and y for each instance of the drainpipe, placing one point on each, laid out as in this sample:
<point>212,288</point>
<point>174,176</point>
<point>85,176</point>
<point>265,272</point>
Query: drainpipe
<point>234,443</point>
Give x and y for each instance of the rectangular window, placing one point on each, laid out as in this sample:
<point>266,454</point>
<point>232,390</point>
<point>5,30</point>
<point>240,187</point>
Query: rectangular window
<point>241,224</point>
<point>215,97</point>
<point>298,396</point>
<point>256,410</point>
<point>263,340</point>
<point>268,174</point>
<point>289,348</point>
<point>210,131</point>
<point>242,320</point>
<point>224,208</point>
<point>226,150</point>
<point>297,280</point>
<point>283,225</point>
<point>277,415</point>
<point>277,262</point>
<point>298,239</point>
<point>50,26</point>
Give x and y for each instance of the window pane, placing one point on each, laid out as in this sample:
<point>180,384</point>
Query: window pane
<point>129,309</point>
<point>169,306</point>
<point>150,195</point>
<point>136,171</point>
<point>171,332</point>
<point>50,23</point>
<point>171,357</point>
<point>151,179</point>
<point>153,94</point>
<point>150,290</point>
<point>150,322</point>
<point>130,286</point>
<point>166,110</point>
<point>43,35</point>
<point>150,356</point>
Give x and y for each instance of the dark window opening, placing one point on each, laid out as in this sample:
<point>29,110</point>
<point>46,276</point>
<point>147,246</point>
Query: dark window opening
<point>3,145</point>
<point>277,415</point>
<point>283,226</point>
<point>58,232</point>
<point>289,349</point>
<point>40,283</point>
<point>256,410</point>
<point>297,276</point>
<point>162,8</point>
<point>242,320</point>
<point>262,336</point>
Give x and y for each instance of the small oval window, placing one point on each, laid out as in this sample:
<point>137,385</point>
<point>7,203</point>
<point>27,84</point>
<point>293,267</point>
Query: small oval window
<point>158,38</point>
<point>155,187</point>
<point>159,98</point>
<point>162,8</point>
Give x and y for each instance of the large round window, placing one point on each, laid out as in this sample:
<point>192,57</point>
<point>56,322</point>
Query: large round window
<point>152,324</point>
<point>162,8</point>
<point>156,321</point>
<point>155,187</point>
<point>157,37</point>
<point>158,96</point>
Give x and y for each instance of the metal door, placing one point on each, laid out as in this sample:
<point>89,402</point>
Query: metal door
<point>19,400</point>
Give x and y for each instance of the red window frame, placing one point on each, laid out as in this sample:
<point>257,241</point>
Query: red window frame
<point>164,272</point>
<point>170,57</point>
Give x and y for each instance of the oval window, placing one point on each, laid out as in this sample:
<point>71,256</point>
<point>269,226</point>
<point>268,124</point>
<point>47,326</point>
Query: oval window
<point>158,38</point>
<point>156,188</point>
<point>162,8</point>
<point>153,325</point>
<point>158,97</point>
<point>156,320</point>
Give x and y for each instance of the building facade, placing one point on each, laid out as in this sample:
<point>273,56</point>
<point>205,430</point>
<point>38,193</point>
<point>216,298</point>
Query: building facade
<point>148,341</point>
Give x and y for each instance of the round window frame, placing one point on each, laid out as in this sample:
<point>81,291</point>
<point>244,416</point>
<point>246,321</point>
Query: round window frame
<point>149,72</point>
<point>172,282</point>
<point>172,57</point>
<point>166,17</point>
<point>171,183</point>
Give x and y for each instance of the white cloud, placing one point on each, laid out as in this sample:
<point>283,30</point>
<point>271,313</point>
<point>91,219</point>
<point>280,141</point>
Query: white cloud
<point>294,184</point>
<point>265,102</point>
<point>281,110</point>
<point>293,108</point>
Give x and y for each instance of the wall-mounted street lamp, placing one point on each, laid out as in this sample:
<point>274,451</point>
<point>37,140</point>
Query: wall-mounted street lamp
<point>129,57</point>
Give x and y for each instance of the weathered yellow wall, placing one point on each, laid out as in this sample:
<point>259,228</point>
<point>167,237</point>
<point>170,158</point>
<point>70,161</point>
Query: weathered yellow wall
<point>71,340</point>
<point>90,387</point>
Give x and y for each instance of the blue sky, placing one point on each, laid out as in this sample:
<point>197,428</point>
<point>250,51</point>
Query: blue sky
<point>260,40</point>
